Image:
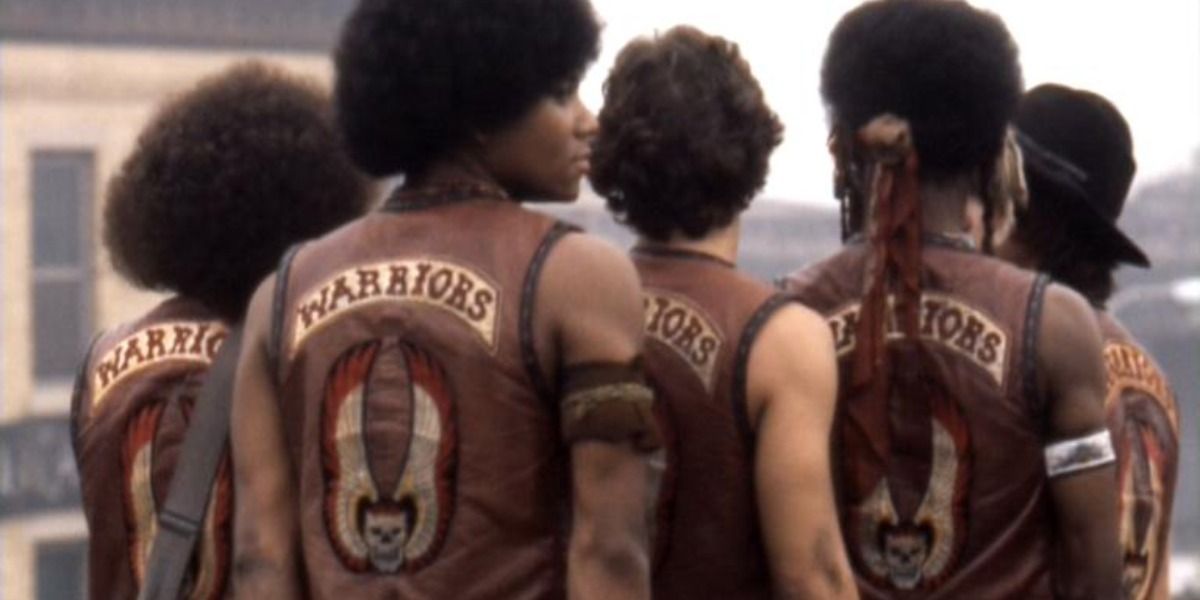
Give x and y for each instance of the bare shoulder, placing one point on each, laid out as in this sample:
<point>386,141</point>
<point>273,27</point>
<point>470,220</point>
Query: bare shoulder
<point>1069,330</point>
<point>586,261</point>
<point>792,356</point>
<point>584,273</point>
<point>589,300</point>
<point>1066,309</point>
<point>794,329</point>
<point>1070,364</point>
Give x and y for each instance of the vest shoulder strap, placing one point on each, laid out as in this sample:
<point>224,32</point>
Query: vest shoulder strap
<point>741,365</point>
<point>203,448</point>
<point>279,311</point>
<point>1033,325</point>
<point>528,300</point>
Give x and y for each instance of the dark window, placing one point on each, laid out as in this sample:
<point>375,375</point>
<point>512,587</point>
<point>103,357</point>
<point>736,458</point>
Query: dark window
<point>61,570</point>
<point>62,290</point>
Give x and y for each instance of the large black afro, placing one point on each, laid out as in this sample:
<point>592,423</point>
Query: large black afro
<point>685,135</point>
<point>949,69</point>
<point>222,180</point>
<point>417,78</point>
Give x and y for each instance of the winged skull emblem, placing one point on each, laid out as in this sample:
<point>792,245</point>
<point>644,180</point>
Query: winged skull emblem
<point>396,529</point>
<point>909,552</point>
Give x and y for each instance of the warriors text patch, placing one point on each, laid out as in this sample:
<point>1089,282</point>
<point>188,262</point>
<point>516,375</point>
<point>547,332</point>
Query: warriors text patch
<point>457,289</point>
<point>1128,368</point>
<point>958,327</point>
<point>191,341</point>
<point>686,330</point>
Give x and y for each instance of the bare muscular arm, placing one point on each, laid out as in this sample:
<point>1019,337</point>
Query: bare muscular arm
<point>590,309</point>
<point>1071,373</point>
<point>792,380</point>
<point>265,537</point>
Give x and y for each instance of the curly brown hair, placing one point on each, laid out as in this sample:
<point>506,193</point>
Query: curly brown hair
<point>685,135</point>
<point>222,180</point>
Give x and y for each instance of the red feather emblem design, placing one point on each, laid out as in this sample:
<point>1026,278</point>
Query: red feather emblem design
<point>137,462</point>
<point>401,529</point>
<point>210,566</point>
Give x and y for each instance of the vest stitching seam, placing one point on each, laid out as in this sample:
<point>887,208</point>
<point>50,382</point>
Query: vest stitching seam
<point>275,343</point>
<point>525,315</point>
<point>1033,314</point>
<point>77,395</point>
<point>741,360</point>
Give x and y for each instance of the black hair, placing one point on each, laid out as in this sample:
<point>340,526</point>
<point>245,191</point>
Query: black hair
<point>1077,259</point>
<point>949,69</point>
<point>417,78</point>
<point>222,180</point>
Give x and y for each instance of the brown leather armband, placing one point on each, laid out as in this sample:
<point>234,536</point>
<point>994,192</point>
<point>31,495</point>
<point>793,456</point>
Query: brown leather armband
<point>609,402</point>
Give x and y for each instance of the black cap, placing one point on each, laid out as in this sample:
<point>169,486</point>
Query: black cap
<point>1078,153</point>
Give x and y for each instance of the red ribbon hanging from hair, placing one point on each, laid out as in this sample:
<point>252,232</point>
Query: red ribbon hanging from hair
<point>895,241</point>
<point>894,272</point>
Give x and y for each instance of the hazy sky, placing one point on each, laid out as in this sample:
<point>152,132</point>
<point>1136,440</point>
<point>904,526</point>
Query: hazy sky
<point>1143,55</point>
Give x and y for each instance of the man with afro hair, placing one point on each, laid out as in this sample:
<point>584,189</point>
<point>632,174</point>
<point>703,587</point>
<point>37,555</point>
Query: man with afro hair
<point>444,398</point>
<point>746,380</point>
<point>1079,164</point>
<point>222,180</point>
<point>970,450</point>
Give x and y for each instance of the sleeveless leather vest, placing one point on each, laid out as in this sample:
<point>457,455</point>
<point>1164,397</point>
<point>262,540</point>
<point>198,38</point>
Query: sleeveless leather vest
<point>425,447</point>
<point>1144,419</point>
<point>133,401</point>
<point>963,512</point>
<point>702,318</point>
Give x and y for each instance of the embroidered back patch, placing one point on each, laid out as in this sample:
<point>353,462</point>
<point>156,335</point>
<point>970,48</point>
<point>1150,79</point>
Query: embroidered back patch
<point>951,323</point>
<point>686,330</point>
<point>459,290</point>
<point>189,341</point>
<point>1145,428</point>
<point>388,453</point>
<point>916,548</point>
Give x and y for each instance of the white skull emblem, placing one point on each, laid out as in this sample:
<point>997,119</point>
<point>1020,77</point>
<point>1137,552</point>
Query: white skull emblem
<point>904,550</point>
<point>386,530</point>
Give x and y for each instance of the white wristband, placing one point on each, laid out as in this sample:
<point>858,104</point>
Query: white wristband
<point>1069,456</point>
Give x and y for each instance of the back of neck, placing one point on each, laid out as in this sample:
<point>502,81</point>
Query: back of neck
<point>721,243</point>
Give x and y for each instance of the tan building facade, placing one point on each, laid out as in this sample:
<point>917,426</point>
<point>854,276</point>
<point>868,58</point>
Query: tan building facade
<point>70,112</point>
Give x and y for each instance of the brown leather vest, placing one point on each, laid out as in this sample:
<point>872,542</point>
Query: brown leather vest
<point>427,455</point>
<point>133,401</point>
<point>971,515</point>
<point>702,317</point>
<point>1144,420</point>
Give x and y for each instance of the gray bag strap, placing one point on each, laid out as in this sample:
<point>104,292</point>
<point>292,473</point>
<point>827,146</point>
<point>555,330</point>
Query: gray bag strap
<point>203,448</point>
